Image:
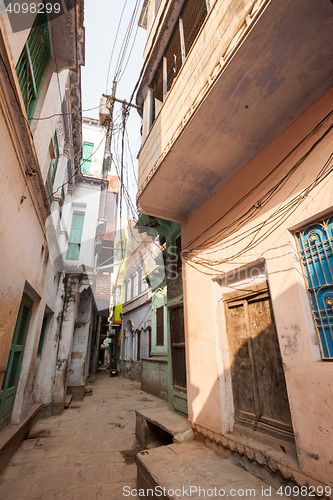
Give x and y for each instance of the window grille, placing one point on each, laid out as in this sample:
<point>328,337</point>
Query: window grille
<point>193,16</point>
<point>173,57</point>
<point>315,243</point>
<point>33,62</point>
<point>160,326</point>
<point>75,237</point>
<point>87,151</point>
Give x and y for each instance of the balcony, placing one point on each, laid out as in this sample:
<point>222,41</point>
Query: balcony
<point>253,68</point>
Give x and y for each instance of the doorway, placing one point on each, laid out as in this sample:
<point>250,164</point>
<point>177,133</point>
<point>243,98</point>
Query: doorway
<point>178,359</point>
<point>258,381</point>
<point>12,375</point>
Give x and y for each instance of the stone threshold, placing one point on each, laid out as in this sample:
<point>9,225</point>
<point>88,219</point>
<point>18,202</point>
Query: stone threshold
<point>191,470</point>
<point>256,454</point>
<point>160,426</point>
<point>12,435</point>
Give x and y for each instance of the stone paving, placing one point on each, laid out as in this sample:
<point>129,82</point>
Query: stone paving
<point>78,455</point>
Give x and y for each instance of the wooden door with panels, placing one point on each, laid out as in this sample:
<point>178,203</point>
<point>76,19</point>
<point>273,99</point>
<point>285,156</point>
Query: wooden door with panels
<point>12,375</point>
<point>177,359</point>
<point>258,381</point>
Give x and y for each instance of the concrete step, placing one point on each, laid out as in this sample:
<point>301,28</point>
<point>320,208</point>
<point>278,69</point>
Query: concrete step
<point>68,400</point>
<point>88,390</point>
<point>158,426</point>
<point>12,436</point>
<point>191,470</point>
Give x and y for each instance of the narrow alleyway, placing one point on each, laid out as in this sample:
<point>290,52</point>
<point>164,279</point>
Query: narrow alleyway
<point>85,453</point>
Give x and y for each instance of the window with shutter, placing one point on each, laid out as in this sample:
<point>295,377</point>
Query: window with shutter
<point>54,151</point>
<point>87,151</point>
<point>75,237</point>
<point>62,201</point>
<point>159,326</point>
<point>33,62</point>
<point>42,336</point>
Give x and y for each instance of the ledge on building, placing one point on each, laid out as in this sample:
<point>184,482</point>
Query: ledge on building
<point>12,436</point>
<point>193,465</point>
<point>161,426</point>
<point>160,359</point>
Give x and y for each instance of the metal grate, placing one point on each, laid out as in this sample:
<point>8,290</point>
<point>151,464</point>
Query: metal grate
<point>173,57</point>
<point>316,249</point>
<point>193,16</point>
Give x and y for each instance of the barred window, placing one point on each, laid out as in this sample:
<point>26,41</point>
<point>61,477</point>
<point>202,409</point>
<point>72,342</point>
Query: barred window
<point>315,244</point>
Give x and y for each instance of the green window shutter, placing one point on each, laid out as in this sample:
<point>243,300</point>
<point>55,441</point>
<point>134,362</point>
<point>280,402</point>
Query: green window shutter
<point>87,151</point>
<point>52,169</point>
<point>48,190</point>
<point>41,338</point>
<point>74,245</point>
<point>62,201</point>
<point>33,62</point>
<point>56,147</point>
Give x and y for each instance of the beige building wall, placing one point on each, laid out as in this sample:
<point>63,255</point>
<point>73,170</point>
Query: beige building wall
<point>26,266</point>
<point>309,379</point>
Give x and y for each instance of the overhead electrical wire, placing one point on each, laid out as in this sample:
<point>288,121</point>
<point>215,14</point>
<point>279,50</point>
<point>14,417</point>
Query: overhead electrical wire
<point>78,169</point>
<point>274,221</point>
<point>114,45</point>
<point>243,198</point>
<point>120,139</point>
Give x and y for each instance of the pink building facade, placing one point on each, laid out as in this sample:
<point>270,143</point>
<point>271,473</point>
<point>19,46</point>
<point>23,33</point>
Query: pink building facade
<point>237,147</point>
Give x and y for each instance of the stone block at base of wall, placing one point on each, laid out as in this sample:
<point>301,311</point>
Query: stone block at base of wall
<point>131,370</point>
<point>77,392</point>
<point>154,376</point>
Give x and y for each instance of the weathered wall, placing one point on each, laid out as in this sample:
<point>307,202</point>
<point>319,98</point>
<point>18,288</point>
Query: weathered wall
<point>86,198</point>
<point>131,369</point>
<point>219,29</point>
<point>140,318</point>
<point>154,376</point>
<point>309,379</point>
<point>24,254</point>
<point>81,342</point>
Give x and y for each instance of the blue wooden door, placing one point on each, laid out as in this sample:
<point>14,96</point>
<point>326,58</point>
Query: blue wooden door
<point>12,375</point>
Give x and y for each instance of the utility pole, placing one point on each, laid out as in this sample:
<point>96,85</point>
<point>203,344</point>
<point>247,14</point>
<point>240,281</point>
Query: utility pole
<point>108,139</point>
<point>122,101</point>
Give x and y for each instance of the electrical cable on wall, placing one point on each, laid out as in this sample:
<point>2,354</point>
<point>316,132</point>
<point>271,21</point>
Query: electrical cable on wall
<point>275,220</point>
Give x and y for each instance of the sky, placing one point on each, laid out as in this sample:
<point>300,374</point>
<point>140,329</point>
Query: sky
<point>102,20</point>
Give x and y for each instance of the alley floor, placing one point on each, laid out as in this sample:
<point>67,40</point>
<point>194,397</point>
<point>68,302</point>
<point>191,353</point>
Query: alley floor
<point>85,453</point>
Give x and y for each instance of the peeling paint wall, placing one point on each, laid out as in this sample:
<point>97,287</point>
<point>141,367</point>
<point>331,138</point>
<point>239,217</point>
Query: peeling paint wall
<point>81,342</point>
<point>309,379</point>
